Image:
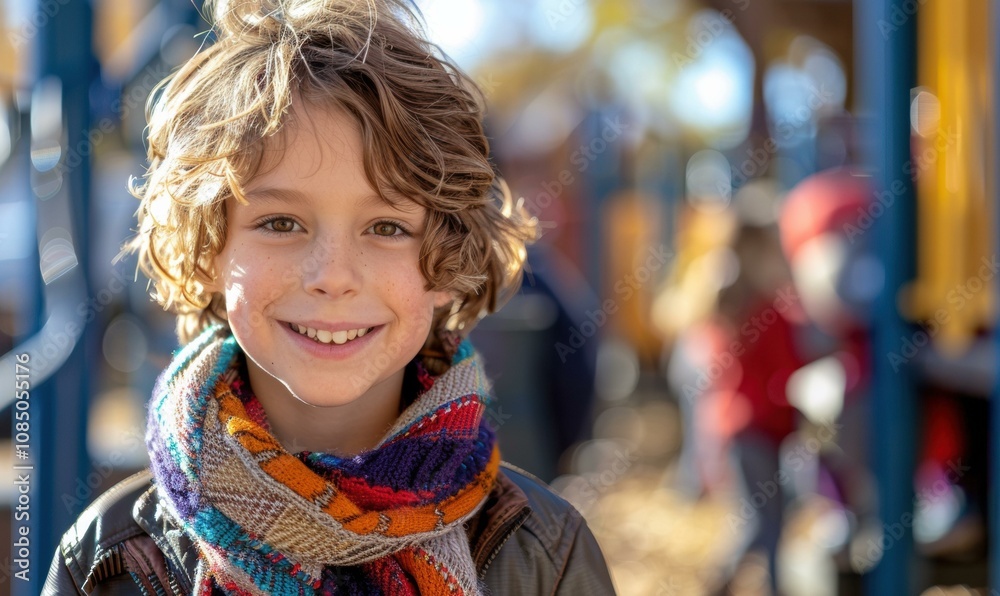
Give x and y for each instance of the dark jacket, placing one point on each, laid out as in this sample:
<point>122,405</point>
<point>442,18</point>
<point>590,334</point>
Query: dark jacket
<point>525,540</point>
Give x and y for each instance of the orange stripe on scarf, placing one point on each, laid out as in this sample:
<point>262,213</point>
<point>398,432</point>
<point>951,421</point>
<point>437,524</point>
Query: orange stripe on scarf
<point>431,577</point>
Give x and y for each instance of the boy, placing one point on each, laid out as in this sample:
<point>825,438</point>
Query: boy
<point>321,213</point>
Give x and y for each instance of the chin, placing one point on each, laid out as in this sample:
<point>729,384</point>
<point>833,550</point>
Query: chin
<point>324,400</point>
<point>327,402</point>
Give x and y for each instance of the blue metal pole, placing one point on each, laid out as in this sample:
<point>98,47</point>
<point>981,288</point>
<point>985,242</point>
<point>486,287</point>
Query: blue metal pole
<point>59,405</point>
<point>886,33</point>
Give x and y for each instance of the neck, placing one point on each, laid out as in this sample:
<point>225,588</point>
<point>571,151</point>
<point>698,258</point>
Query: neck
<point>344,430</point>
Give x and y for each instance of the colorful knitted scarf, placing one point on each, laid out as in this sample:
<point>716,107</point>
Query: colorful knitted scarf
<point>266,521</point>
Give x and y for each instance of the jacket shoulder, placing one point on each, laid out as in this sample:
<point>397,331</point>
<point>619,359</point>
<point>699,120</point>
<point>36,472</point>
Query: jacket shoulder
<point>553,551</point>
<point>535,489</point>
<point>88,549</point>
<point>553,520</point>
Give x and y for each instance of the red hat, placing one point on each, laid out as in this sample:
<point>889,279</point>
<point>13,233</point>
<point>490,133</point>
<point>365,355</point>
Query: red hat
<point>824,202</point>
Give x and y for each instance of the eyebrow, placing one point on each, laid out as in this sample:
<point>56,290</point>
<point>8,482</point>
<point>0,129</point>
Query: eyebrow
<point>276,195</point>
<point>287,196</point>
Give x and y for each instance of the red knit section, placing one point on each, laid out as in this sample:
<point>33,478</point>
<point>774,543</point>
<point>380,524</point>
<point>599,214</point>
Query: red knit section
<point>371,497</point>
<point>455,418</point>
<point>389,576</point>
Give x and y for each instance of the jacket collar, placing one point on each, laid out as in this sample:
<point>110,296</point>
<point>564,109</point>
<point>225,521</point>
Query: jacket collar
<point>504,511</point>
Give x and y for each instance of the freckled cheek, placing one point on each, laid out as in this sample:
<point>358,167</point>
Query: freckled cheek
<point>250,309</point>
<point>401,270</point>
<point>237,306</point>
<point>252,292</point>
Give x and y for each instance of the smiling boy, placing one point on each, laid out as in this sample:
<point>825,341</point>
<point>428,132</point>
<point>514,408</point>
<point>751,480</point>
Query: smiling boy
<point>316,206</point>
<point>321,213</point>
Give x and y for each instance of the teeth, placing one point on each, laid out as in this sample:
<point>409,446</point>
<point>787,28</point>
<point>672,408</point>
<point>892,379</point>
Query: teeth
<point>340,337</point>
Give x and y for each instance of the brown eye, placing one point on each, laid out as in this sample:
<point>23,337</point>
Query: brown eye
<point>281,224</point>
<point>385,229</point>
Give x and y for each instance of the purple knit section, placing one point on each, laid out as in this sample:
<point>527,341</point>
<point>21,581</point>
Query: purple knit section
<point>169,475</point>
<point>439,463</point>
<point>424,463</point>
<point>160,386</point>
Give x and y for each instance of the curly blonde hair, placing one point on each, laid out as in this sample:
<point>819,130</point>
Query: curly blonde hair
<point>420,119</point>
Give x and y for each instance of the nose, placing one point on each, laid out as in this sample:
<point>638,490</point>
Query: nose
<point>332,268</point>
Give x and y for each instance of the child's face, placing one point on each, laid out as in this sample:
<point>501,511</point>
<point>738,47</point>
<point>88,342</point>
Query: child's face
<point>317,248</point>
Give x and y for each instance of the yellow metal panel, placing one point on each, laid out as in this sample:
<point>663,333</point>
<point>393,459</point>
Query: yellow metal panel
<point>955,221</point>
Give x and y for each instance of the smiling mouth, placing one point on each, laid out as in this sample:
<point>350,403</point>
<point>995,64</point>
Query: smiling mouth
<point>327,337</point>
